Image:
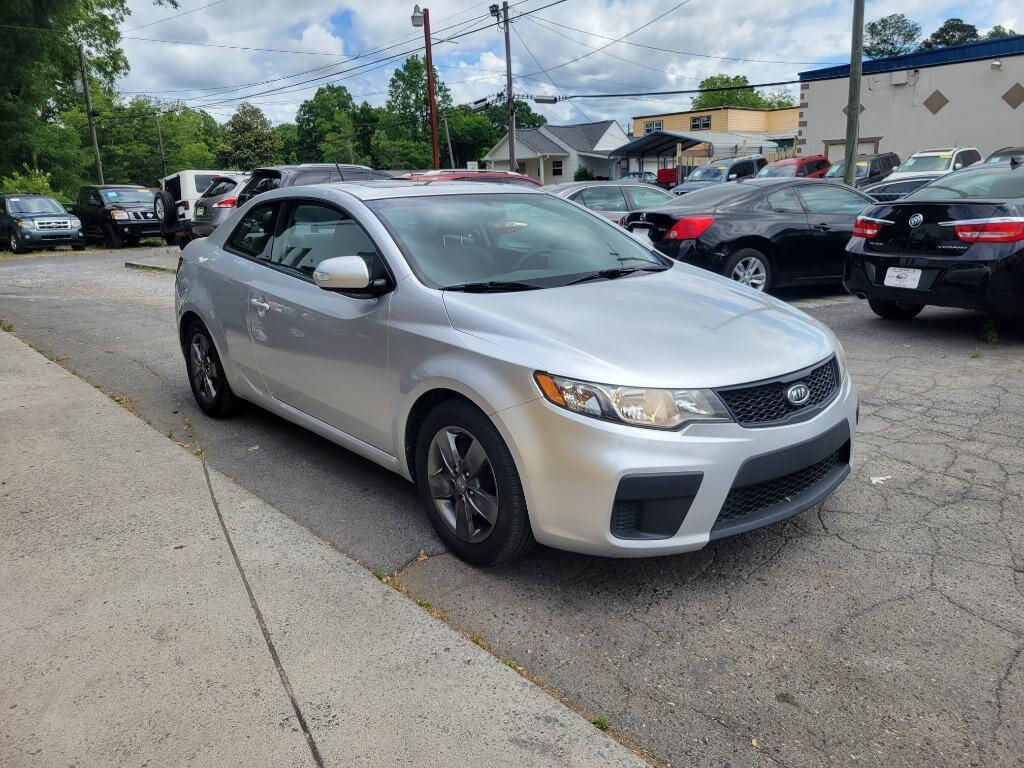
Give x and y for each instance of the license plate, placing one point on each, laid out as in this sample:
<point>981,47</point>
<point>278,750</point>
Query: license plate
<point>901,277</point>
<point>200,210</point>
<point>643,234</point>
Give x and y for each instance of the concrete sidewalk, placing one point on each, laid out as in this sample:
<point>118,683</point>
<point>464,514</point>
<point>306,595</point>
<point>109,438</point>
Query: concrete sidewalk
<point>156,613</point>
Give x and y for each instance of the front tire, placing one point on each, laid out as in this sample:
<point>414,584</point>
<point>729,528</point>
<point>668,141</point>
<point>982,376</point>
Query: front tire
<point>206,374</point>
<point>15,244</point>
<point>470,486</point>
<point>751,268</point>
<point>895,310</point>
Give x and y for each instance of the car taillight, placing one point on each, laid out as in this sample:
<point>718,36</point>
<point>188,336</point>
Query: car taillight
<point>1008,230</point>
<point>690,227</point>
<point>227,202</point>
<point>866,228</point>
<point>184,204</point>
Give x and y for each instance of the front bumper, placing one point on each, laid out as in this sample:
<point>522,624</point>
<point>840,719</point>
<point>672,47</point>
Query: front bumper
<point>575,468</point>
<point>50,238</point>
<point>992,285</point>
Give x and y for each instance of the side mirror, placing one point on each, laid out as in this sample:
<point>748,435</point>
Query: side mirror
<point>342,273</point>
<point>732,177</point>
<point>957,165</point>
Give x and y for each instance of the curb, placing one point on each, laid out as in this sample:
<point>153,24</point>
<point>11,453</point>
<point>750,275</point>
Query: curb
<point>143,265</point>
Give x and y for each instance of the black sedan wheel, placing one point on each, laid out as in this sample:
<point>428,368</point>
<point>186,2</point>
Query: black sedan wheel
<point>470,486</point>
<point>751,268</point>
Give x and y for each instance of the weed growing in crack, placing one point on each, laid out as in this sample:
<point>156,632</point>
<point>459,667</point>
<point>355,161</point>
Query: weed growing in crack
<point>381,574</point>
<point>989,332</point>
<point>600,722</point>
<point>5,326</point>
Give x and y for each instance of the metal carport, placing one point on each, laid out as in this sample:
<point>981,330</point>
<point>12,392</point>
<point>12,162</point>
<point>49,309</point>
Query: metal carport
<point>661,144</point>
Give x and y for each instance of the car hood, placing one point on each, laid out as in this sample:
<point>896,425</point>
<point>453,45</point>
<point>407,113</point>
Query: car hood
<point>684,327</point>
<point>35,216</point>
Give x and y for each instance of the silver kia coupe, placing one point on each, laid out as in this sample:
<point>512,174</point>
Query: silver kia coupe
<point>539,373</point>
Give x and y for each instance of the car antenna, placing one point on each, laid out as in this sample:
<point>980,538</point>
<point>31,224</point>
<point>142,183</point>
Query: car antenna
<point>339,169</point>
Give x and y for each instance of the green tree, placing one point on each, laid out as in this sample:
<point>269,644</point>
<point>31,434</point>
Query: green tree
<point>289,135</point>
<point>365,119</point>
<point>472,135</point>
<point>740,94</point>
<point>999,31</point>
<point>399,154</point>
<point>28,181</point>
<point>952,32</point>
<point>316,117</point>
<point>407,100</point>
<point>890,35</point>
<point>497,116</point>
<point>247,141</point>
<point>337,145</point>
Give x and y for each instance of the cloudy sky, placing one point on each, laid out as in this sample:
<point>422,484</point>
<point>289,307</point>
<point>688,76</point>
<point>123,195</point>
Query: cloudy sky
<point>348,42</point>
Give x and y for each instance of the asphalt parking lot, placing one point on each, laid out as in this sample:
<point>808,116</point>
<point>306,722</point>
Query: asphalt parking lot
<point>885,627</point>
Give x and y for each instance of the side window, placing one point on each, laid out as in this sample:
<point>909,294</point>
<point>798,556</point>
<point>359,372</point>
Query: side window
<point>826,198</point>
<point>312,177</point>
<point>605,198</point>
<point>257,185</point>
<point>649,197</point>
<point>94,199</point>
<point>803,169</point>
<point>314,232</point>
<point>253,231</point>
<point>785,201</point>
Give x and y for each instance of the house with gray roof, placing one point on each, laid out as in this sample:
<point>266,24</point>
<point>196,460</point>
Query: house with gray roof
<point>552,153</point>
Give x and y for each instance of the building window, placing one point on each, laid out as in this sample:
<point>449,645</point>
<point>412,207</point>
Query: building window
<point>701,123</point>
<point>556,167</point>
<point>651,126</point>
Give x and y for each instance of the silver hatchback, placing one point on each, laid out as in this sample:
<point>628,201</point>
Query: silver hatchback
<point>536,371</point>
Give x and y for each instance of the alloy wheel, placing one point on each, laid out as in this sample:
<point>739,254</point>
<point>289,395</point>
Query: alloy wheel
<point>462,484</point>
<point>751,271</point>
<point>14,243</point>
<point>160,209</point>
<point>204,368</point>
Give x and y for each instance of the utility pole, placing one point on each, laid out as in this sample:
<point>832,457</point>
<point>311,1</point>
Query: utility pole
<point>89,112</point>
<point>160,138</point>
<point>512,164</point>
<point>422,19</point>
<point>853,103</point>
<point>448,138</point>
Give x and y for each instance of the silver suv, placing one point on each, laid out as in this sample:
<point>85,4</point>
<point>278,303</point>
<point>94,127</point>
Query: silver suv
<point>539,373</point>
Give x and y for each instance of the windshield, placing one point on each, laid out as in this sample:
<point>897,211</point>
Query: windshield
<point>990,184</point>
<point>778,170</point>
<point>707,173</point>
<point>1004,157</point>
<point>838,170</point>
<point>127,195</point>
<point>536,241</point>
<point>34,205</point>
<point>926,163</point>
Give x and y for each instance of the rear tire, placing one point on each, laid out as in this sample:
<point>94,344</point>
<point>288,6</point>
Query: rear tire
<point>470,486</point>
<point>894,310</point>
<point>165,209</point>
<point>750,267</point>
<point>80,247</point>
<point>206,374</point>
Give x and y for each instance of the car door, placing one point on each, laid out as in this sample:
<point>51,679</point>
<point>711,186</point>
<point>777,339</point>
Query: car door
<point>791,235</point>
<point>605,199</point>
<point>92,207</point>
<point>831,212</point>
<point>324,353</point>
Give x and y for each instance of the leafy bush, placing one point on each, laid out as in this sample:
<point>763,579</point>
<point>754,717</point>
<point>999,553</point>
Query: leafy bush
<point>31,182</point>
<point>583,174</point>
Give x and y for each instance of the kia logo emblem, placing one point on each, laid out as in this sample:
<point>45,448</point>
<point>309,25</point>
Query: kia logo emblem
<point>643,217</point>
<point>798,394</point>
<point>916,220</point>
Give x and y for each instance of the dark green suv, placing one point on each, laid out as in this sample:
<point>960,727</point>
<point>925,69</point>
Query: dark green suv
<point>30,222</point>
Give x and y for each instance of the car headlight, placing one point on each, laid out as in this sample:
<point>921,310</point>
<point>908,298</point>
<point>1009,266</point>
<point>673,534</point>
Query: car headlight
<point>841,361</point>
<point>26,224</point>
<point>637,406</point>
<point>119,215</point>
<point>76,223</point>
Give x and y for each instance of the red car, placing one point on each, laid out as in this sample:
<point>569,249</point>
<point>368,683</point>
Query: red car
<point>493,177</point>
<point>812,167</point>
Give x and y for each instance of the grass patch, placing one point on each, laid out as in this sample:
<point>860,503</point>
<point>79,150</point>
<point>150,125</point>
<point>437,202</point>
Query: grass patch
<point>381,574</point>
<point>478,639</point>
<point>5,326</point>
<point>423,603</point>
<point>600,722</point>
<point>975,354</point>
<point>989,332</point>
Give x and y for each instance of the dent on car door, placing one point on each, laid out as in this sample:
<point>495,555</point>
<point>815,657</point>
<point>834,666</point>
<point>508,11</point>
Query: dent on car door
<point>831,212</point>
<point>322,352</point>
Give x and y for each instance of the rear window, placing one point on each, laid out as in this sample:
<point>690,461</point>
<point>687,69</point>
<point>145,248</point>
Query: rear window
<point>994,184</point>
<point>203,181</point>
<point>258,184</point>
<point>219,187</point>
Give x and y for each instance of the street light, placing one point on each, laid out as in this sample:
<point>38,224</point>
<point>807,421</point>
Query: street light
<point>422,19</point>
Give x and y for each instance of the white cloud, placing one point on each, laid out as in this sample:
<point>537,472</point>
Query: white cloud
<point>473,66</point>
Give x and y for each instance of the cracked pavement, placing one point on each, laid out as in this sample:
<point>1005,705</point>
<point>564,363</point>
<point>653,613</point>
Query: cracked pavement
<point>885,627</point>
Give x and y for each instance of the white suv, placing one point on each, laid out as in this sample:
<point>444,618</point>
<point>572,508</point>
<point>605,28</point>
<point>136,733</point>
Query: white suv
<point>936,162</point>
<point>175,203</point>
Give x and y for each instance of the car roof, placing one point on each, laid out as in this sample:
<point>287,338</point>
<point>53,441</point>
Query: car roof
<point>394,188</point>
<point>116,186</point>
<point>1008,150</point>
<point>311,167</point>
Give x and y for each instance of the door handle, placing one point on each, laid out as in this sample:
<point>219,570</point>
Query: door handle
<point>822,227</point>
<point>261,306</point>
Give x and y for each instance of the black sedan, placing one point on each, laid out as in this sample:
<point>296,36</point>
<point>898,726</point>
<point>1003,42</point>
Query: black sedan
<point>957,242</point>
<point>765,233</point>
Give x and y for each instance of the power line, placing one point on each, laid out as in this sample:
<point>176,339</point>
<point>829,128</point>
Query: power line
<point>176,16</point>
<point>679,92</point>
<point>541,66</point>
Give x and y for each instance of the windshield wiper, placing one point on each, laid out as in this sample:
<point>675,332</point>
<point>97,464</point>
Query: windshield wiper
<point>491,286</point>
<point>613,273</point>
